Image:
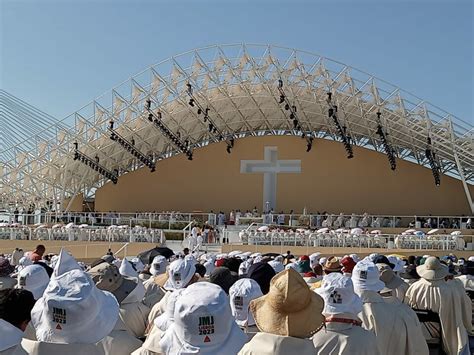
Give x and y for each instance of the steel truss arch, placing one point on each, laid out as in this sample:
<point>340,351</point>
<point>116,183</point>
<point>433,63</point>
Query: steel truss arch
<point>238,83</point>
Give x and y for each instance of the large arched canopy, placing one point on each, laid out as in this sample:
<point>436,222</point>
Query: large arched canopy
<point>239,85</point>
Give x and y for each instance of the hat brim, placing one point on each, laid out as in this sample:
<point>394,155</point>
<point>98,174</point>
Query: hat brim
<point>428,274</point>
<point>394,283</point>
<point>232,344</point>
<point>269,320</point>
<point>375,286</point>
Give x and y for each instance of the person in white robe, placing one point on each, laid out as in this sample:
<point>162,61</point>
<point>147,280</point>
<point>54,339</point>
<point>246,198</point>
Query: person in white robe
<point>397,332</point>
<point>343,333</point>
<point>432,292</point>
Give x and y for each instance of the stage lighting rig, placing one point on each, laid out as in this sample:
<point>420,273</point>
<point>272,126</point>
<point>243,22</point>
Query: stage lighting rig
<point>389,151</point>
<point>183,146</point>
<point>346,140</point>
<point>129,146</point>
<point>435,169</point>
<point>293,116</point>
<point>212,127</point>
<point>93,163</point>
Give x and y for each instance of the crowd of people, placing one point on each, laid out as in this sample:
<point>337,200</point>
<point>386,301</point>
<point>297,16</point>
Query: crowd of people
<point>235,303</point>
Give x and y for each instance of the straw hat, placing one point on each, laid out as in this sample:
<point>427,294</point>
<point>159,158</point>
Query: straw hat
<point>290,308</point>
<point>332,264</point>
<point>432,269</point>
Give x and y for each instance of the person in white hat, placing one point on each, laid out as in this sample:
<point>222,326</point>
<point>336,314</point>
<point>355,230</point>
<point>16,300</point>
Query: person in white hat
<point>209,264</point>
<point>71,316</point>
<point>15,315</point>
<point>203,323</point>
<point>314,259</point>
<point>343,333</point>
<point>287,316</point>
<point>241,293</point>
<point>245,266</point>
<point>432,292</point>
<point>181,274</point>
<point>277,264</point>
<point>397,332</point>
<point>33,278</point>
<point>154,292</point>
<point>126,269</point>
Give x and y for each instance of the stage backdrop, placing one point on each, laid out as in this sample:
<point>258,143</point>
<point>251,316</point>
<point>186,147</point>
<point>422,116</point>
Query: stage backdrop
<point>278,170</point>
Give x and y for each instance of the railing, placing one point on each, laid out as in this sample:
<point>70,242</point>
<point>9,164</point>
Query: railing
<point>178,220</point>
<point>344,240</point>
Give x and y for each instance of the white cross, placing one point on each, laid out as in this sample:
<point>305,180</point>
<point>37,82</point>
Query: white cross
<point>270,167</point>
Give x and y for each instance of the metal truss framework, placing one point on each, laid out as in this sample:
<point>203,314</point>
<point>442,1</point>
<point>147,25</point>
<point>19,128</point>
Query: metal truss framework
<point>239,85</point>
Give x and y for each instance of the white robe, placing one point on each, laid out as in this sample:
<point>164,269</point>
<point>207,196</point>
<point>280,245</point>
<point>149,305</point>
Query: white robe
<point>120,341</point>
<point>446,300</point>
<point>39,348</point>
<point>343,338</point>
<point>134,313</point>
<point>467,281</point>
<point>271,344</point>
<point>396,326</point>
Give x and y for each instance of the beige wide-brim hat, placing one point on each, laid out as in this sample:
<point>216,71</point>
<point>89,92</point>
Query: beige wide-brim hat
<point>290,308</point>
<point>432,269</point>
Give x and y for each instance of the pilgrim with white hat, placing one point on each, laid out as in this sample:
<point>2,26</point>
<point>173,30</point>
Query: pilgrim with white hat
<point>398,287</point>
<point>129,292</point>
<point>203,323</point>
<point>181,274</point>
<point>33,278</point>
<point>73,315</point>
<point>15,315</point>
<point>154,292</point>
<point>467,276</point>
<point>287,316</point>
<point>432,292</point>
<point>241,293</point>
<point>397,332</point>
<point>343,333</point>
<point>277,264</point>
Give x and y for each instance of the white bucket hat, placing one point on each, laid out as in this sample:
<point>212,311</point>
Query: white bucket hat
<point>158,265</point>
<point>314,259</point>
<point>23,262</point>
<point>138,264</point>
<point>322,261</point>
<point>209,265</point>
<point>33,278</point>
<point>366,277</point>
<point>180,272</point>
<point>388,277</point>
<point>240,294</point>
<point>126,269</point>
<point>397,262</point>
<point>245,266</point>
<point>164,320</point>
<point>276,265</point>
<point>290,266</point>
<point>338,293</point>
<point>203,323</point>
<point>74,311</point>
<point>355,257</point>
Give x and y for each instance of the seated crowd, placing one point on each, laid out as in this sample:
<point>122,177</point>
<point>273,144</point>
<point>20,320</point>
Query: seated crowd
<point>236,303</point>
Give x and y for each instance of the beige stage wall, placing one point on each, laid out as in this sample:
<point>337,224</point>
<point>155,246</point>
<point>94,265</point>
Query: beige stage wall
<point>328,182</point>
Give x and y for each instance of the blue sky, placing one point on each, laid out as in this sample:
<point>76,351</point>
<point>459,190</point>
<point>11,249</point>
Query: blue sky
<point>59,55</point>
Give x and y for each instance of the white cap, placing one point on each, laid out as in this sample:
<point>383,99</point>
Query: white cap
<point>276,265</point>
<point>338,293</point>
<point>126,269</point>
<point>33,278</point>
<point>366,277</point>
<point>203,323</point>
<point>291,265</point>
<point>322,261</point>
<point>74,311</point>
<point>314,259</point>
<point>180,272</point>
<point>158,265</point>
<point>209,265</point>
<point>240,294</point>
